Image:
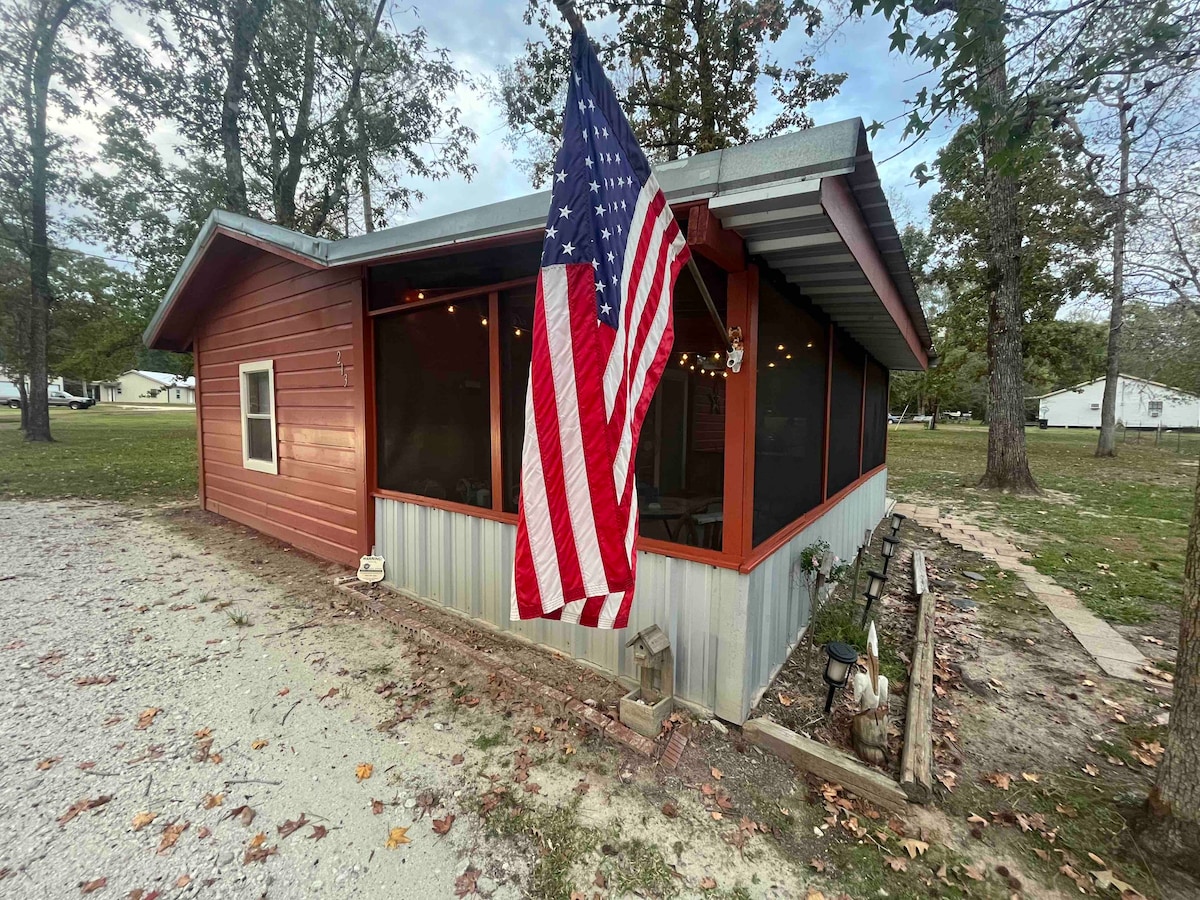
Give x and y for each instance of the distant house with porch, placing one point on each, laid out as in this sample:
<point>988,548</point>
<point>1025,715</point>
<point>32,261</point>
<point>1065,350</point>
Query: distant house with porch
<point>140,387</point>
<point>1140,404</point>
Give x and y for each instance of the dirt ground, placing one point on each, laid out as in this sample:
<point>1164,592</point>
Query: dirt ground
<point>272,696</point>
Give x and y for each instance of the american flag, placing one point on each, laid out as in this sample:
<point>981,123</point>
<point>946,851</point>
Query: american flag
<point>602,333</point>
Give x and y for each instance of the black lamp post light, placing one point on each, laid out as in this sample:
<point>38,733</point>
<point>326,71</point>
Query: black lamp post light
<point>875,583</point>
<point>837,668</point>
<point>898,519</point>
<point>888,549</point>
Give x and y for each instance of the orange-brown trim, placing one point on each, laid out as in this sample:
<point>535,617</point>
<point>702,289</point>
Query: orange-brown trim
<point>648,545</point>
<point>199,423</point>
<point>740,389</point>
<point>456,295</point>
<point>828,412</point>
<point>494,384</point>
<point>364,451</point>
<point>706,236</point>
<point>781,537</point>
<point>267,247</point>
<point>838,202</point>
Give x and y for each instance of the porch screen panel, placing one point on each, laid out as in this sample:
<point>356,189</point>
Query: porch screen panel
<point>433,407</point>
<point>516,352</point>
<point>875,417</point>
<point>789,433</point>
<point>845,411</point>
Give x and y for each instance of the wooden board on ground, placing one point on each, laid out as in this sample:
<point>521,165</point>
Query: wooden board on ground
<point>916,760</point>
<point>826,762</point>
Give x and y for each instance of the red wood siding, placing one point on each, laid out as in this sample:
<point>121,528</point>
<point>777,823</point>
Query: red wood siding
<point>270,308</point>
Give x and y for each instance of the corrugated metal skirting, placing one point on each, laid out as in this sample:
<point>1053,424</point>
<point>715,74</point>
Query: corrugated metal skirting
<point>729,631</point>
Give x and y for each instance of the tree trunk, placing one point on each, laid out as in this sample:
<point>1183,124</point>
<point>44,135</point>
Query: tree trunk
<point>1107,444</point>
<point>1174,805</point>
<point>37,91</point>
<point>23,393</point>
<point>937,407</point>
<point>364,169</point>
<point>1007,461</point>
<point>246,19</point>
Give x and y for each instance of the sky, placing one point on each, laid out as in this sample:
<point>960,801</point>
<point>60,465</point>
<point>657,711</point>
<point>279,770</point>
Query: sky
<point>485,35</point>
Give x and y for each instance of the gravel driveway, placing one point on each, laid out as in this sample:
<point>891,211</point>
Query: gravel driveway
<point>152,744</point>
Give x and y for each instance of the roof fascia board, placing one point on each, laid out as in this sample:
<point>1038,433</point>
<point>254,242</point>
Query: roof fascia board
<point>838,202</point>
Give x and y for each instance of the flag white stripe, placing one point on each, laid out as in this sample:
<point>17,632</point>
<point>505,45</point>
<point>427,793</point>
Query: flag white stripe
<point>615,367</point>
<point>574,460</point>
<point>539,530</point>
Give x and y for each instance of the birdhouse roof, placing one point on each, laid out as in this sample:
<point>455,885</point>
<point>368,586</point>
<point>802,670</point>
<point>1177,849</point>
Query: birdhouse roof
<point>653,637</point>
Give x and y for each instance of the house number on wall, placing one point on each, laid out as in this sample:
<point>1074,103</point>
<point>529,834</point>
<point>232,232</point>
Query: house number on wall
<point>341,365</point>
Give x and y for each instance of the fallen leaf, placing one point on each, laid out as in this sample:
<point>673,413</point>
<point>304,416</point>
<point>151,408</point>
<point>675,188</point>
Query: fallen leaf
<point>814,894</point>
<point>146,717</point>
<point>171,835</point>
<point>1030,776</point>
<point>258,840</point>
<point>363,771</point>
<point>785,700</point>
<point>1106,879</point>
<point>456,759</point>
<point>1091,770</point>
<point>258,854</point>
<point>91,886</point>
<point>670,810</point>
<point>318,832</point>
<point>717,773</point>
<point>707,789</point>
<point>284,692</point>
<point>976,819</point>
<point>396,837</point>
<point>897,863</point>
<point>464,884</point>
<point>212,801</point>
<point>333,692</point>
<point>707,883</point>
<point>258,745</point>
<point>202,733</point>
<point>914,847</point>
<point>183,880</point>
<point>141,820</point>
<point>717,817</point>
<point>817,864</point>
<point>48,762</point>
<point>1001,780</point>
<point>442,825</point>
<point>287,828</point>
<point>581,788</point>
<point>377,806</point>
<point>83,805</point>
<point>600,881</point>
<point>975,873</point>
<point>243,814</point>
<point>85,765</point>
<point>203,832</point>
<point>95,679</point>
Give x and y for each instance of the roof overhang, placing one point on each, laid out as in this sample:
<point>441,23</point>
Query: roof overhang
<point>808,204</point>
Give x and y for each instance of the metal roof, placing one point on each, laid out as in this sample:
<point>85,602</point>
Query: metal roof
<point>767,191</point>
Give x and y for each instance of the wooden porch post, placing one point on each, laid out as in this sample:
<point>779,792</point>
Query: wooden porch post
<point>740,390</point>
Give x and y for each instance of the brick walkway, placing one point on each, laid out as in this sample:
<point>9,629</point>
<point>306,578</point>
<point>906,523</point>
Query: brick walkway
<point>1115,655</point>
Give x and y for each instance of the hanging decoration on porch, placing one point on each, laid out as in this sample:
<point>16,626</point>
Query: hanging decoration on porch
<point>603,330</point>
<point>869,727</point>
<point>736,349</point>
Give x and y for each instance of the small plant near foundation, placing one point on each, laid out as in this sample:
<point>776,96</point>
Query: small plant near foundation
<point>207,597</point>
<point>239,619</point>
<point>839,619</point>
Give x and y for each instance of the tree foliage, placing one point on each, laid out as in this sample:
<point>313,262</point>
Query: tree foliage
<point>687,73</point>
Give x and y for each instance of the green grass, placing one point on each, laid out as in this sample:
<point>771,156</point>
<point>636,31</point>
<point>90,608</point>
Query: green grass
<point>101,454</point>
<point>1113,530</point>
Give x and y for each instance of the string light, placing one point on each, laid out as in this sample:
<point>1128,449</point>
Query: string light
<point>770,365</point>
<point>788,356</point>
<point>420,295</point>
<point>724,374</point>
<point>780,347</point>
<point>809,345</point>
<point>483,321</point>
<point>450,308</point>
<point>716,356</point>
<point>518,332</point>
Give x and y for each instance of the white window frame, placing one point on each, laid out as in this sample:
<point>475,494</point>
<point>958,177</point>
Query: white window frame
<point>259,465</point>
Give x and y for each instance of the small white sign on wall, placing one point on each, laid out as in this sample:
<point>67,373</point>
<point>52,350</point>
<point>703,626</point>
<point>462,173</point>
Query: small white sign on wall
<point>370,568</point>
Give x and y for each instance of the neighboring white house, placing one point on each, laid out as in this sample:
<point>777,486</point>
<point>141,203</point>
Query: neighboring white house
<point>139,387</point>
<point>1140,404</point>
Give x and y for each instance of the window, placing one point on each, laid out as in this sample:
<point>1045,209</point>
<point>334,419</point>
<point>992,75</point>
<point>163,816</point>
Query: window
<point>258,416</point>
<point>1095,406</point>
<point>1155,407</point>
<point>433,402</point>
<point>177,395</point>
<point>845,412</point>
<point>789,434</point>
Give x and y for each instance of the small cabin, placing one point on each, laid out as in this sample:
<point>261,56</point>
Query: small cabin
<point>367,395</point>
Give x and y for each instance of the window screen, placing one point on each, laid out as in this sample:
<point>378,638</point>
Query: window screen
<point>680,465</point>
<point>875,418</point>
<point>516,323</point>
<point>845,412</point>
<point>258,416</point>
<point>432,402</point>
<point>423,279</point>
<point>789,435</point>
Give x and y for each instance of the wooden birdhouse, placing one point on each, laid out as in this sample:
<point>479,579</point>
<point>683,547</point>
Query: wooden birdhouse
<point>644,708</point>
